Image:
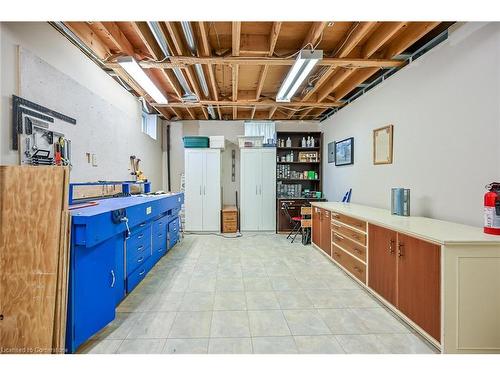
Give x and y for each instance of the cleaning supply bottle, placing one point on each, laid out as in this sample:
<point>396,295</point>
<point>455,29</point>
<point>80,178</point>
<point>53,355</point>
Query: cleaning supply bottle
<point>304,142</point>
<point>288,142</point>
<point>312,141</point>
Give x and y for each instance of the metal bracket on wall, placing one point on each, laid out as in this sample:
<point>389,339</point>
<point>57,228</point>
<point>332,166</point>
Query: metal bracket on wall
<point>22,106</point>
<point>233,165</point>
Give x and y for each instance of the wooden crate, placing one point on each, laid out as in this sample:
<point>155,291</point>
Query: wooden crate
<point>229,219</point>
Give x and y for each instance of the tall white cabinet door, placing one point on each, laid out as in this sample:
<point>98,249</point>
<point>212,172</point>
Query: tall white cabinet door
<point>250,182</point>
<point>194,190</point>
<point>268,190</point>
<point>211,190</point>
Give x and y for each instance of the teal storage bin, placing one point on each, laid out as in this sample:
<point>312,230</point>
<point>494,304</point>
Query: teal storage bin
<point>195,142</point>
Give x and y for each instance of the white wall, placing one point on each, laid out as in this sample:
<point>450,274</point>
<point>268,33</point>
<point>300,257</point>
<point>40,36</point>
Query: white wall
<point>231,130</point>
<point>49,45</point>
<point>445,108</point>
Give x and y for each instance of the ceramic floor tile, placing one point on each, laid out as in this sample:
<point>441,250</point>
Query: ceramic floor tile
<point>306,322</point>
<point>141,346</point>
<point>325,299</point>
<point>380,320</point>
<point>230,324</point>
<point>201,284</point>
<point>118,328</point>
<point>197,301</point>
<point>274,345</point>
<point>284,283</point>
<point>355,298</point>
<point>294,300</point>
<point>100,347</point>
<point>229,284</point>
<point>268,323</point>
<point>186,346</point>
<point>262,301</point>
<point>343,321</point>
<point>230,346</point>
<point>324,344</point>
<point>170,301</point>
<point>401,343</point>
<point>257,284</point>
<point>230,301</point>
<point>154,325</point>
<point>361,344</point>
<point>191,325</point>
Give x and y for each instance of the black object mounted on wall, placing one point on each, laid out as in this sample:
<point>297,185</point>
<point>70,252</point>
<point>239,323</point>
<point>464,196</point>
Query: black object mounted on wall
<point>344,152</point>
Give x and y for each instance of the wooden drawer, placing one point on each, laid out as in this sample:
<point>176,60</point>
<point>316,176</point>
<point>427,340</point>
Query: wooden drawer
<point>352,265</point>
<point>344,219</point>
<point>349,233</point>
<point>350,246</point>
<point>229,227</point>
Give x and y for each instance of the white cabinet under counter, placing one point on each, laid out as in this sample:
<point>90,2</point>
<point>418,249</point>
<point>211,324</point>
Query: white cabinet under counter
<point>442,278</point>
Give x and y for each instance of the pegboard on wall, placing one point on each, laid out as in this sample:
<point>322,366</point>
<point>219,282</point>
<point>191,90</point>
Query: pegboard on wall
<point>103,129</point>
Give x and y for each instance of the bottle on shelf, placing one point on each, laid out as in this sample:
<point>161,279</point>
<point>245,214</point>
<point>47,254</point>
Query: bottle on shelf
<point>291,156</point>
<point>288,142</point>
<point>312,141</point>
<point>304,142</point>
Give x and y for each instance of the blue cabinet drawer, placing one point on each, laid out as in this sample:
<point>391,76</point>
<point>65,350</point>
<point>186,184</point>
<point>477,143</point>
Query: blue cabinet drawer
<point>160,234</point>
<point>173,232</point>
<point>139,239</point>
<point>138,259</point>
<point>139,274</point>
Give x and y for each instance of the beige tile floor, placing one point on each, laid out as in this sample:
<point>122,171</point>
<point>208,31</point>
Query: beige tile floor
<point>253,294</point>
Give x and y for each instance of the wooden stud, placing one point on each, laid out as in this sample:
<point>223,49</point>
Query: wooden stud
<point>89,38</point>
<point>236,37</point>
<point>114,34</point>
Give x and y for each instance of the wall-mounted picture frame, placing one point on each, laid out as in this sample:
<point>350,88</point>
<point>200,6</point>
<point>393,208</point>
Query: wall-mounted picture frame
<point>383,145</point>
<point>344,152</point>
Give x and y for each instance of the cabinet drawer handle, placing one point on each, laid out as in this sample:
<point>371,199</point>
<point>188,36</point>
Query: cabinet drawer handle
<point>142,272</point>
<point>336,226</point>
<point>391,247</point>
<point>140,260</point>
<point>339,236</point>
<point>140,236</point>
<point>357,250</point>
<point>113,279</point>
<point>160,234</point>
<point>142,224</point>
<point>336,216</point>
<point>140,248</point>
<point>337,254</point>
<point>356,236</point>
<point>400,249</point>
<point>356,268</point>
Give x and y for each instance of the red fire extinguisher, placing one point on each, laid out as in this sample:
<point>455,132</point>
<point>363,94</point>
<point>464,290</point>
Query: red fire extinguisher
<point>492,209</point>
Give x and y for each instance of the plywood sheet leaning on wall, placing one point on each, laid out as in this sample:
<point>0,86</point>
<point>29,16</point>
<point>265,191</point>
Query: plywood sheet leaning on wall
<point>32,256</point>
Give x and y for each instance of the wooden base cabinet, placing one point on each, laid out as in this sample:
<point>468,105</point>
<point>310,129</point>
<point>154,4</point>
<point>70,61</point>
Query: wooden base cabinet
<point>419,286</point>
<point>316,226</point>
<point>382,267</point>
<point>321,234</point>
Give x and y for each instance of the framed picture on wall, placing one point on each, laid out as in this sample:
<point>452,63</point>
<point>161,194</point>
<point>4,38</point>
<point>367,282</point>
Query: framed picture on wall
<point>382,145</point>
<point>331,152</point>
<point>344,152</point>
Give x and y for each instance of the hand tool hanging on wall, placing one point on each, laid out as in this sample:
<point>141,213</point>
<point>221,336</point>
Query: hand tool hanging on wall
<point>134,163</point>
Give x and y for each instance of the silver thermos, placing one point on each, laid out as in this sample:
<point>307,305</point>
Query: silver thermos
<point>400,201</point>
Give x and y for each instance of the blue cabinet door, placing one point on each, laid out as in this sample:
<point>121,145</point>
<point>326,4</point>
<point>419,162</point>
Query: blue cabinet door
<point>92,290</point>
<point>119,269</point>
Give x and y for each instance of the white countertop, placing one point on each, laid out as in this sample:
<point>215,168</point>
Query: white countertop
<point>442,232</point>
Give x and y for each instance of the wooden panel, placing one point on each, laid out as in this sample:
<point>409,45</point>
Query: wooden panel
<point>229,220</point>
<point>316,226</point>
<point>326,235</point>
<point>356,223</point>
<point>419,283</point>
<point>352,265</point>
<point>31,202</point>
<point>350,246</point>
<point>382,265</point>
<point>350,233</point>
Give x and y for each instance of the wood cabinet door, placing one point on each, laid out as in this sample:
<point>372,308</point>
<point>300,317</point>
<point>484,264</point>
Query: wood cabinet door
<point>419,286</point>
<point>316,226</point>
<point>326,232</point>
<point>382,262</point>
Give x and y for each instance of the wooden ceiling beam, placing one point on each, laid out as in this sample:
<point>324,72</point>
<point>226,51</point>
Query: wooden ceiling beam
<point>236,38</point>
<point>144,33</point>
<point>382,35</point>
<point>354,36</point>
<point>88,37</point>
<point>273,38</point>
<point>248,103</point>
<point>272,111</point>
<point>205,51</point>
<point>184,61</point>
<point>314,34</point>
<point>116,36</point>
<point>413,32</point>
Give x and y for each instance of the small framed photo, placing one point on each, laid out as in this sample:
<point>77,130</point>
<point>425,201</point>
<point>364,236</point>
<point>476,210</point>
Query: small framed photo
<point>331,152</point>
<point>382,145</point>
<point>344,152</point>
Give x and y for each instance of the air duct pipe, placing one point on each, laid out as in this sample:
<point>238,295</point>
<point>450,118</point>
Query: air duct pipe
<point>155,28</point>
<point>191,42</point>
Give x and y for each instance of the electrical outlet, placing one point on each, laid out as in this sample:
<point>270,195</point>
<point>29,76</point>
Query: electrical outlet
<point>94,160</point>
<point>87,155</point>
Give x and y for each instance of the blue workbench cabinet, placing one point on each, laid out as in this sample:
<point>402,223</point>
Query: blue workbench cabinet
<point>113,246</point>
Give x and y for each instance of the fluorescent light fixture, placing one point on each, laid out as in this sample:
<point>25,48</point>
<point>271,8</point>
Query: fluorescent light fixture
<point>306,60</point>
<point>138,75</point>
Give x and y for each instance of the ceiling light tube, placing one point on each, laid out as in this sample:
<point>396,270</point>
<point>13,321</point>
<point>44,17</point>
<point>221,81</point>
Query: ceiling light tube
<point>134,70</point>
<point>305,62</point>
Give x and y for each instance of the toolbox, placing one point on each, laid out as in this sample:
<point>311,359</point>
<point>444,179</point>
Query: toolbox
<point>195,142</point>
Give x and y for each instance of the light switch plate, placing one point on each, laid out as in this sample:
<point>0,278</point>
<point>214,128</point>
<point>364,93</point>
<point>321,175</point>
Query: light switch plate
<point>94,160</point>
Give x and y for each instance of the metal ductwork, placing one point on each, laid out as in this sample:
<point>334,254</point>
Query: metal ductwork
<point>191,42</point>
<point>158,34</point>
